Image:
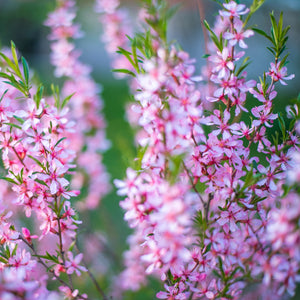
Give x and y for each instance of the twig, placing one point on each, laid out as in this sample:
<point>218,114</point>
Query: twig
<point>31,246</point>
<point>20,159</point>
<point>207,205</point>
<point>193,185</point>
<point>61,250</point>
<point>98,288</point>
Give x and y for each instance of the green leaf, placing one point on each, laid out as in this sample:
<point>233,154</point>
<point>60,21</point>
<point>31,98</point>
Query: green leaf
<point>216,273</point>
<point>172,11</point>
<point>221,267</point>
<point>3,95</point>
<point>261,32</point>
<point>13,253</point>
<point>38,96</point>
<point>20,120</point>
<point>140,155</point>
<point>41,182</point>
<point>128,55</point>
<point>48,257</point>
<point>292,124</point>
<point>283,62</point>
<point>72,246</point>
<point>11,65</point>
<point>4,75</point>
<point>3,260</point>
<point>286,190</point>
<point>59,141</point>
<point>213,36</point>
<point>9,180</point>
<point>257,199</point>
<point>175,166</point>
<point>25,70</point>
<point>14,53</point>
<point>13,125</point>
<point>282,125</point>
<point>66,100</point>
<point>38,162</point>
<point>244,65</point>
<point>256,4</point>
<point>125,71</point>
<point>55,92</point>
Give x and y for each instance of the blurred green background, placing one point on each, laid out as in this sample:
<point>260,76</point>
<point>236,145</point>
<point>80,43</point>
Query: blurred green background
<point>22,22</point>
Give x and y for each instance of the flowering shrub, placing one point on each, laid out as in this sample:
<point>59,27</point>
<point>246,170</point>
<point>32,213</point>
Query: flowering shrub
<point>212,197</point>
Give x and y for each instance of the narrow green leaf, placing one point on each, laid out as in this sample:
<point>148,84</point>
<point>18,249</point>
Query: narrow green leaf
<point>9,180</point>
<point>261,32</point>
<point>66,100</point>
<point>4,75</point>
<point>14,53</point>
<point>41,182</point>
<point>125,71</point>
<point>59,141</point>
<point>3,260</point>
<point>25,71</point>
<point>19,119</point>
<point>4,93</point>
<point>13,125</point>
<point>10,64</point>
<point>282,125</point>
<point>13,253</point>
<point>39,95</point>
<point>38,162</point>
<point>72,246</point>
<point>55,92</point>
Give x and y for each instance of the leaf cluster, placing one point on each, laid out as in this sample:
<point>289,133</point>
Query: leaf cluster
<point>142,43</point>
<point>278,37</point>
<point>58,102</point>
<point>14,75</point>
<point>218,41</point>
<point>256,4</point>
<point>159,15</point>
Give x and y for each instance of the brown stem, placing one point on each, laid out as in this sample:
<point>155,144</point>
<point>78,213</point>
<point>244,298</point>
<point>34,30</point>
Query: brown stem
<point>207,205</point>
<point>20,159</point>
<point>98,288</point>
<point>61,250</point>
<point>31,246</point>
<point>193,185</point>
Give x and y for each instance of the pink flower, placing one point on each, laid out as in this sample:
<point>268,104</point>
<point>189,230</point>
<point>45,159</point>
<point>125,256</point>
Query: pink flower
<point>264,116</point>
<point>55,176</point>
<point>238,35</point>
<point>107,6</point>
<point>72,264</point>
<point>279,73</point>
<point>233,9</point>
<point>27,235</point>
<point>130,185</point>
<point>173,292</point>
<point>223,63</point>
<point>69,294</point>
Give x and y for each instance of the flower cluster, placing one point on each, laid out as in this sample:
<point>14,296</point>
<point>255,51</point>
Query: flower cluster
<point>85,107</point>
<point>116,27</point>
<point>37,159</point>
<point>224,173</point>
